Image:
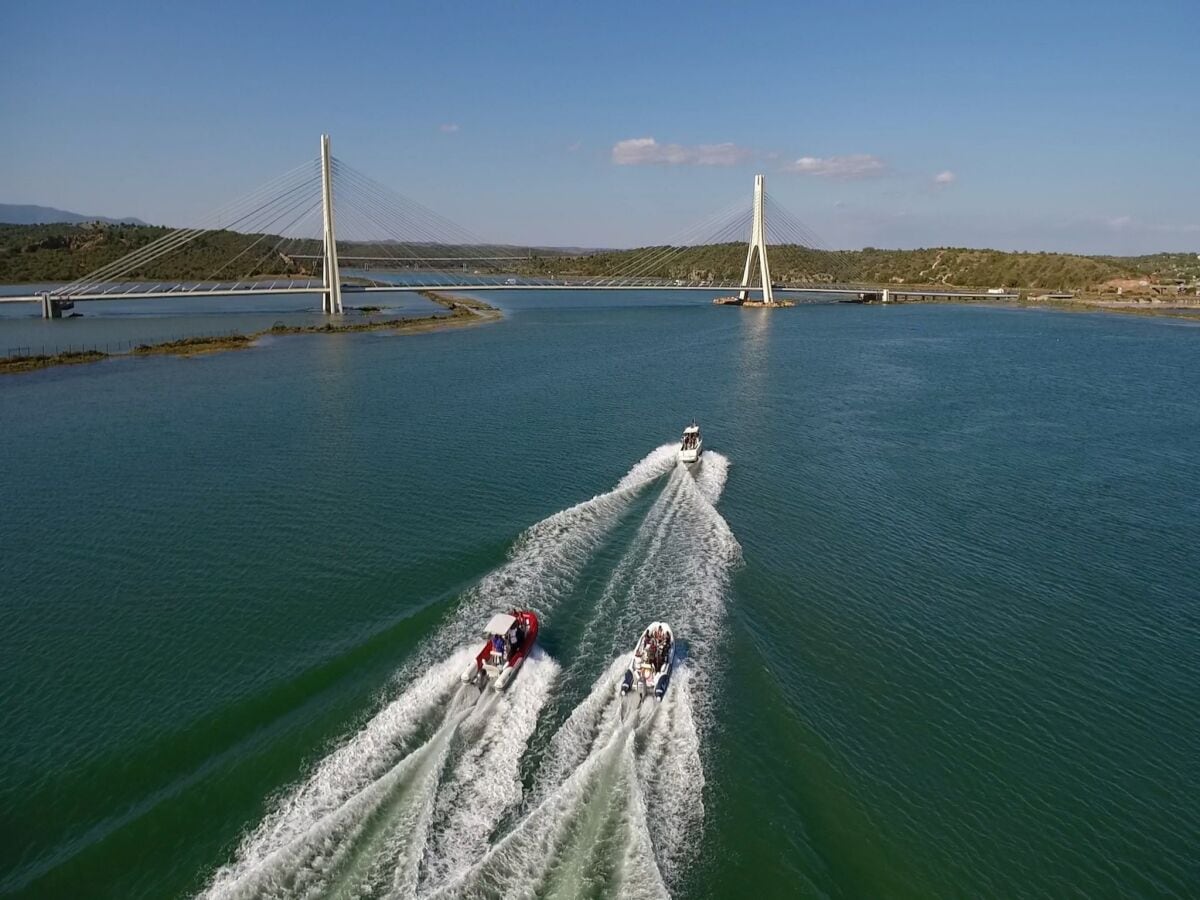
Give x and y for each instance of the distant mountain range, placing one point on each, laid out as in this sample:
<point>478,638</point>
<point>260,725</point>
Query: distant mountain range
<point>26,214</point>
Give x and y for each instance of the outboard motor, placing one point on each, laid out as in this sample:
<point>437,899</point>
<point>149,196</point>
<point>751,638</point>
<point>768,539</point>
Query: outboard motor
<point>627,683</point>
<point>661,687</point>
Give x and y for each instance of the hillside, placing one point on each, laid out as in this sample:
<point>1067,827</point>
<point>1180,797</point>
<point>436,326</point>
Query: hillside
<point>28,214</point>
<point>1162,266</point>
<point>953,266</point>
<point>36,253</point>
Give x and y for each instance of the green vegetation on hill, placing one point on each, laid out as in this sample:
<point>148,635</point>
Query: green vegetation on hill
<point>33,253</point>
<point>1164,267</point>
<point>36,253</point>
<point>953,266</point>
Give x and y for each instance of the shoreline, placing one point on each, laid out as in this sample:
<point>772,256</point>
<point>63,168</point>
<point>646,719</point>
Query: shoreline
<point>464,312</point>
<point>1082,305</point>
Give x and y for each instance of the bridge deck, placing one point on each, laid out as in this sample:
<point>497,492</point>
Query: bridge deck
<point>235,291</point>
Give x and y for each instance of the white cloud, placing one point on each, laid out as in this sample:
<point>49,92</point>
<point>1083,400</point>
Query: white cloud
<point>856,165</point>
<point>647,152</point>
<point>946,177</point>
<point>448,128</point>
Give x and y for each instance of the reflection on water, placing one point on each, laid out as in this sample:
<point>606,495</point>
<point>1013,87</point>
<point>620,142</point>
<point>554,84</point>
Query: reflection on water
<point>753,370</point>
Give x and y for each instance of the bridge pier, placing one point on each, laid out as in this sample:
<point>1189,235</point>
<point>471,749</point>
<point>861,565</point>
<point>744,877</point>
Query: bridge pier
<point>331,297</point>
<point>52,308</point>
<point>758,242</point>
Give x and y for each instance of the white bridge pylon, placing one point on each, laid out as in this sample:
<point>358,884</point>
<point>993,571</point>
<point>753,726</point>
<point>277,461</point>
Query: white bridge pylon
<point>331,297</point>
<point>758,244</point>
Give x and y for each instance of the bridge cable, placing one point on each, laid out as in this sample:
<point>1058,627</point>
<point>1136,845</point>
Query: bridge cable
<point>238,210</point>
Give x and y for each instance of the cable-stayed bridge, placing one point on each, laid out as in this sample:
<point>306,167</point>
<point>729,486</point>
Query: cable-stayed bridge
<point>321,228</point>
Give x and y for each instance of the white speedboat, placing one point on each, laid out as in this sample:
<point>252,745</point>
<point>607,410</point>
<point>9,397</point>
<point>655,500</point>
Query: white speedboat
<point>650,666</point>
<point>692,444</point>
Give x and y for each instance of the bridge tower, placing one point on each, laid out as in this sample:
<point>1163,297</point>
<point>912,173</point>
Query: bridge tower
<point>331,297</point>
<point>758,242</point>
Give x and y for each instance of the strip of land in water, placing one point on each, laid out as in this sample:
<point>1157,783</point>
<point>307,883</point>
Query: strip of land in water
<point>464,311</point>
<point>1176,308</point>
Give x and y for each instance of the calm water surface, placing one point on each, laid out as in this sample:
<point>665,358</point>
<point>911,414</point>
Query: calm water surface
<point>114,326</point>
<point>936,583</point>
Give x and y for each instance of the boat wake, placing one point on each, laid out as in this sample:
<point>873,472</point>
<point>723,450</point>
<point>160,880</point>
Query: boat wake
<point>617,806</point>
<point>547,559</point>
<point>360,825</point>
<point>363,819</point>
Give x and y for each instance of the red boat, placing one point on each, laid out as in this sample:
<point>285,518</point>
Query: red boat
<point>509,638</point>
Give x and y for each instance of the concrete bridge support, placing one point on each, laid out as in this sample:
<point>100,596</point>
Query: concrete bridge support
<point>53,308</point>
<point>758,242</point>
<point>331,297</point>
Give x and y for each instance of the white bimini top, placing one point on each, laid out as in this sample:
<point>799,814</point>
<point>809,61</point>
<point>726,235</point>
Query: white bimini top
<point>499,624</point>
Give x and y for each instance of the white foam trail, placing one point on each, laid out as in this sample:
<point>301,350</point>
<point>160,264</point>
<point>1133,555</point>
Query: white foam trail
<point>485,782</point>
<point>686,581</point>
<point>686,585</point>
<point>711,475</point>
<point>672,775</point>
<point>669,772</point>
<point>677,570</point>
<point>591,723</point>
<point>543,563</point>
<point>587,838</point>
<point>546,560</point>
<point>377,756</point>
<point>375,840</point>
<point>654,530</point>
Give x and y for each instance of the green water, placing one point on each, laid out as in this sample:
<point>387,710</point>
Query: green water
<point>936,581</point>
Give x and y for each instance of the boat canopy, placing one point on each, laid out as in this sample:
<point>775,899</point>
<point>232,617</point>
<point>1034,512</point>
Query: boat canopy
<point>499,624</point>
<point>692,429</point>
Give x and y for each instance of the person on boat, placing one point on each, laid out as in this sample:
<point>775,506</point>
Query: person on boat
<point>652,649</point>
<point>662,645</point>
<point>514,638</point>
<point>498,646</point>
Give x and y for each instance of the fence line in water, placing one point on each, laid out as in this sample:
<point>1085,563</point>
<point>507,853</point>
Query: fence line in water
<point>108,347</point>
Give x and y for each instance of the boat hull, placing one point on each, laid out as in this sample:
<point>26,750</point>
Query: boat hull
<point>646,680</point>
<point>487,669</point>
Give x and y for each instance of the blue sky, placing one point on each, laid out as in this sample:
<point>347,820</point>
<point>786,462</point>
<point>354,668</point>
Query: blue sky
<point>1053,125</point>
